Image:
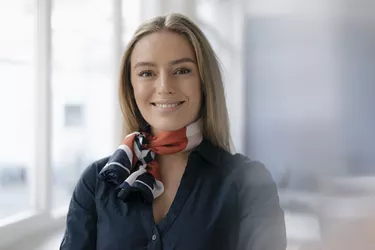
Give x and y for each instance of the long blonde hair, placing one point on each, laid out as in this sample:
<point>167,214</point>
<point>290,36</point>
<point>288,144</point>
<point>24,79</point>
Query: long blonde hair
<point>214,110</point>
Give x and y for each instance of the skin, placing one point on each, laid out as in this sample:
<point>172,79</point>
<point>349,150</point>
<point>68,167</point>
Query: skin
<point>167,90</point>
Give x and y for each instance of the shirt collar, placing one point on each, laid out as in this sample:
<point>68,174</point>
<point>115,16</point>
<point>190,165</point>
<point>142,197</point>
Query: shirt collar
<point>210,152</point>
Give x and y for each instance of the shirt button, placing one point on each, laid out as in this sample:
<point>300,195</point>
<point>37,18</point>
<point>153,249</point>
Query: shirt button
<point>154,237</point>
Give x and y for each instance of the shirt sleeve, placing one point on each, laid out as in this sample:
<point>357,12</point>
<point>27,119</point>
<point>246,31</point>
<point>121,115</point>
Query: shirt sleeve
<point>262,223</point>
<point>80,232</point>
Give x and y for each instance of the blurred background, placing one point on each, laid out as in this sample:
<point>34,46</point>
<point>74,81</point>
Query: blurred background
<point>300,86</point>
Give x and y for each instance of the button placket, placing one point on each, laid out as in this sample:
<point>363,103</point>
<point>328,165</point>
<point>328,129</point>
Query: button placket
<point>155,242</point>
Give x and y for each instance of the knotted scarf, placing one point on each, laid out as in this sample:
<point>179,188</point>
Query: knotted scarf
<point>133,168</point>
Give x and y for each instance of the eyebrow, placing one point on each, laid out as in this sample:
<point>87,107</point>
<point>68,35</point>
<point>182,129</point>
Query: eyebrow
<point>182,60</point>
<point>174,62</point>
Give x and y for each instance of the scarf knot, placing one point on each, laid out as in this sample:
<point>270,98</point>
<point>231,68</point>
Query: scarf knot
<point>132,168</point>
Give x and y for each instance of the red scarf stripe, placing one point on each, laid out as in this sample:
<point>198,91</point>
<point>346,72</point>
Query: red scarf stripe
<point>154,170</point>
<point>169,142</point>
<point>163,143</point>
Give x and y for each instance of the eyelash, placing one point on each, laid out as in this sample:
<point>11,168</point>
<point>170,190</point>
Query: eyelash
<point>143,72</point>
<point>185,70</point>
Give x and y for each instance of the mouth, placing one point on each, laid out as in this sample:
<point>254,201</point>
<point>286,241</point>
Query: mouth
<point>167,105</point>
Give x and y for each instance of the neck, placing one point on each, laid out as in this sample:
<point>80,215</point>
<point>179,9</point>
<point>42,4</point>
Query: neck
<point>154,131</point>
<point>178,158</point>
<point>196,123</point>
<point>172,167</point>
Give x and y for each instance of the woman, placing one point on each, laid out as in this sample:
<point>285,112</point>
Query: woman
<point>174,184</point>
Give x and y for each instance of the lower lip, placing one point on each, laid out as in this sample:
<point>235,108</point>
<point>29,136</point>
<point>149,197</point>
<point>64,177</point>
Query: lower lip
<point>168,109</point>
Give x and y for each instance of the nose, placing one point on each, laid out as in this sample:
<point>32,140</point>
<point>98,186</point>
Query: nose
<point>165,85</point>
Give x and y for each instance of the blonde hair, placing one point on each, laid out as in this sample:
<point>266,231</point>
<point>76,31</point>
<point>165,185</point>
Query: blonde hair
<point>214,112</point>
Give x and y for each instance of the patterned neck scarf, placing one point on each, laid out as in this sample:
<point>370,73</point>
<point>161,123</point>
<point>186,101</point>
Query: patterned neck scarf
<point>133,168</point>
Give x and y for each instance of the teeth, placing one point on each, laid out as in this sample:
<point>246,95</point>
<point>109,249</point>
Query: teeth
<point>171,105</point>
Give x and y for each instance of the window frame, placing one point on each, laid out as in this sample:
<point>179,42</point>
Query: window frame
<point>42,217</point>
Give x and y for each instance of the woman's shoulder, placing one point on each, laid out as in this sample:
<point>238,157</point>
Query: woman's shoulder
<point>235,167</point>
<point>246,171</point>
<point>91,171</point>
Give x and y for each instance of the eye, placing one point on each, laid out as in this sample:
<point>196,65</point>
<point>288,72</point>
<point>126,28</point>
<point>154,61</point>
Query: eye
<point>182,71</point>
<point>145,73</point>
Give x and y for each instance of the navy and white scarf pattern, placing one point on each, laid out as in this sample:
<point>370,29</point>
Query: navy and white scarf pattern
<point>133,168</point>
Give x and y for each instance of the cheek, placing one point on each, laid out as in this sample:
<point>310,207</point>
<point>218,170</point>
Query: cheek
<point>195,94</point>
<point>141,94</point>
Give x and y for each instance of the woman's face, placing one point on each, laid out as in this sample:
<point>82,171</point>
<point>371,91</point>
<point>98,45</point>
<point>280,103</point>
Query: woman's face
<point>166,82</point>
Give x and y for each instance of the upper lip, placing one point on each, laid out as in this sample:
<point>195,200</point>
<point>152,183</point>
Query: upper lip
<point>167,102</point>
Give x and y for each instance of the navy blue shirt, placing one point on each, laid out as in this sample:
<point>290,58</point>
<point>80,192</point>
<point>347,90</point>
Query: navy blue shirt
<point>224,201</point>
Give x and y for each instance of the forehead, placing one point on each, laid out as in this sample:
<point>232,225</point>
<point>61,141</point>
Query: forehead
<point>161,47</point>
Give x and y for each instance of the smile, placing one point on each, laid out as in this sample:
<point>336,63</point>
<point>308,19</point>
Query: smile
<point>167,105</point>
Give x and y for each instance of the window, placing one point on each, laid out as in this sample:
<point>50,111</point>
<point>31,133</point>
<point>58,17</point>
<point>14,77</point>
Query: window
<point>82,90</point>
<point>131,15</point>
<point>16,105</point>
<point>73,115</point>
<point>58,106</point>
